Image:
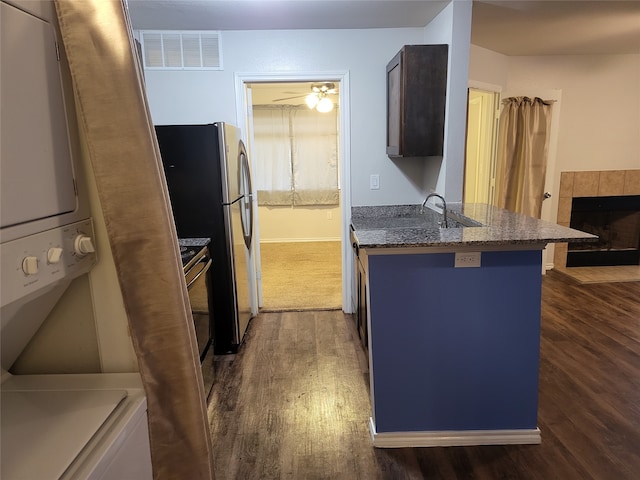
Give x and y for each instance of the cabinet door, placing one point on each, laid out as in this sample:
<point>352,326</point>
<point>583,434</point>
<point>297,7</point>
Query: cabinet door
<point>416,96</point>
<point>394,104</point>
<point>362,306</point>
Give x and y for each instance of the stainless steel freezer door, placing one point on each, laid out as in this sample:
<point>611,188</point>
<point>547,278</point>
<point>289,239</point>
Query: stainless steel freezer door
<point>229,137</point>
<point>241,266</point>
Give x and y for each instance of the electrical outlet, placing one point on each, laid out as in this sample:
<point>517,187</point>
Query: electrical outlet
<point>329,215</point>
<point>374,182</point>
<point>468,259</point>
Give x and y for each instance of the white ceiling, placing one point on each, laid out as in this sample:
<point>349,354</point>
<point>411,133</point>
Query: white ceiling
<point>509,27</point>
<point>557,27</point>
<point>281,14</point>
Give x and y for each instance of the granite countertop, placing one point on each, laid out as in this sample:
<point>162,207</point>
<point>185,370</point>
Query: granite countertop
<point>194,242</point>
<point>469,225</point>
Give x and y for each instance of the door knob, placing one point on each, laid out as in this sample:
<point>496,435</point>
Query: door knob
<point>547,195</point>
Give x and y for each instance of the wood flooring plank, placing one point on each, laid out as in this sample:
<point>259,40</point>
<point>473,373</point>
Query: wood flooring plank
<point>293,403</point>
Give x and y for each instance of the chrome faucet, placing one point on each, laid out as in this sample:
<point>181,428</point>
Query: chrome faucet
<point>444,207</point>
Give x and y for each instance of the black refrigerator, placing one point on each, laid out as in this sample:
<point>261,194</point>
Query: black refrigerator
<point>209,180</point>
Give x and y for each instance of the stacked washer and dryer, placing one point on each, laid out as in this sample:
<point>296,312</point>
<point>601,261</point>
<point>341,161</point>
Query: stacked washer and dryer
<point>52,425</point>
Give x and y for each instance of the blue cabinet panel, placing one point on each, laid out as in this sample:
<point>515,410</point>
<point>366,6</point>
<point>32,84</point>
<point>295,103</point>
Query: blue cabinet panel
<point>455,348</point>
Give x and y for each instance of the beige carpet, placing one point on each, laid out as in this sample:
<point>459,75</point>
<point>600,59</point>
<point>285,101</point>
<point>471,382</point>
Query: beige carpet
<point>301,276</point>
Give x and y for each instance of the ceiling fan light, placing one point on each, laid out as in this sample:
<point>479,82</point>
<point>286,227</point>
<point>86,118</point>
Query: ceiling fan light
<point>324,105</point>
<point>311,100</point>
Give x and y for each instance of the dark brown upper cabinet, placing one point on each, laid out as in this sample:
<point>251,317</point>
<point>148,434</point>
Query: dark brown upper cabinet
<point>416,93</point>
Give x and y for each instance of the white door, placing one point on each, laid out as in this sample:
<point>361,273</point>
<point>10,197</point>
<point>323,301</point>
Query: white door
<point>480,161</point>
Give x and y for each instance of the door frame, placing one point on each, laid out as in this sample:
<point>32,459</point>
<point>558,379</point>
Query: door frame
<point>243,112</point>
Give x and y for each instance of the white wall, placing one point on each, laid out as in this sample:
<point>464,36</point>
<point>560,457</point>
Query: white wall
<point>299,224</point>
<point>193,97</point>
<point>487,66</point>
<point>600,122</point>
<point>452,26</point>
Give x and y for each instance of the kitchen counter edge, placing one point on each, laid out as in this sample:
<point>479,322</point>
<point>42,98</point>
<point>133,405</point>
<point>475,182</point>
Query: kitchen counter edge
<point>375,227</point>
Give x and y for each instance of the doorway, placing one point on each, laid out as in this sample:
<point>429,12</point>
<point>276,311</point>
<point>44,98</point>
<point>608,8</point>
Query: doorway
<point>482,129</point>
<point>300,253</point>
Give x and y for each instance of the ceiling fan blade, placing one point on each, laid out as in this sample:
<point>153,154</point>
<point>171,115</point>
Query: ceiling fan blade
<point>288,98</point>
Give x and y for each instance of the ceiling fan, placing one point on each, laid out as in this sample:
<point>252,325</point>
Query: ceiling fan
<point>318,98</point>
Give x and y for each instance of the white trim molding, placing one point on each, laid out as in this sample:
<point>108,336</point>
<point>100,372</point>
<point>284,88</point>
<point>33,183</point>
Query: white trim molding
<point>487,87</point>
<point>301,240</point>
<point>342,76</point>
<point>453,438</point>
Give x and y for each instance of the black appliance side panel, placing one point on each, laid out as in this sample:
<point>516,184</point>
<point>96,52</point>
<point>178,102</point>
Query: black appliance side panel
<point>191,158</point>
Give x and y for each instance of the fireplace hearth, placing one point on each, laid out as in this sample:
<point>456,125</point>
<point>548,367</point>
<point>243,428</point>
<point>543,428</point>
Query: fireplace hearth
<point>616,221</point>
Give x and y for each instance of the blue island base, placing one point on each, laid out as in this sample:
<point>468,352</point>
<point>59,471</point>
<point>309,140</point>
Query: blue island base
<point>454,352</point>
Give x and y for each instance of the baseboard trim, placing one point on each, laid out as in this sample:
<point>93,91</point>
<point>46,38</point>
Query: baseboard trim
<point>300,240</point>
<point>453,438</point>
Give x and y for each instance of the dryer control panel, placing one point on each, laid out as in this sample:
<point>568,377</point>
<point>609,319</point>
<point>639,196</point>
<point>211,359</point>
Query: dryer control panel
<point>35,262</point>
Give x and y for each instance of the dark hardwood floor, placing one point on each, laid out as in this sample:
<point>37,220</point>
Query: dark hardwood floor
<point>294,402</point>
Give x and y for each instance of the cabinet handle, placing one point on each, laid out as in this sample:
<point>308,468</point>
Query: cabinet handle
<point>200,273</point>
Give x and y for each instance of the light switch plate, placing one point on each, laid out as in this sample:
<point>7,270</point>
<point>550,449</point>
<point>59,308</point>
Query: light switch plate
<point>374,182</point>
<point>468,259</point>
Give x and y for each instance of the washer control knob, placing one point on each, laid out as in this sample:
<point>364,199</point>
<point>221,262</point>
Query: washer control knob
<point>30,265</point>
<point>83,245</point>
<point>54,254</point>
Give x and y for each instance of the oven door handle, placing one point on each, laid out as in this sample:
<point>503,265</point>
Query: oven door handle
<point>200,273</point>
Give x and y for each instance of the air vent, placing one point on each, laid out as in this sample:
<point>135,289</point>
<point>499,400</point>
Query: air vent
<point>181,50</point>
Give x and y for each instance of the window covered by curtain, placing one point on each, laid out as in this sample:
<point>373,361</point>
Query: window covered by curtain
<point>296,152</point>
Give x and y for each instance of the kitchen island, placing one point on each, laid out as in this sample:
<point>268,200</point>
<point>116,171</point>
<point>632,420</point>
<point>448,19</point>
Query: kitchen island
<point>453,322</point>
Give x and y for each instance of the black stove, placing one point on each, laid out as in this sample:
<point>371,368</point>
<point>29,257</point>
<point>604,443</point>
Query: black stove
<point>196,263</point>
<point>187,254</point>
<point>190,247</point>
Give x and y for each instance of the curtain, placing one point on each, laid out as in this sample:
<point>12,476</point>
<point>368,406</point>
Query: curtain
<point>272,138</point>
<point>116,124</point>
<point>523,143</point>
<point>296,151</point>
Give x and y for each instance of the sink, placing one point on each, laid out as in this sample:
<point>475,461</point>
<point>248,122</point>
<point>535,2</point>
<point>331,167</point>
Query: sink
<point>410,218</point>
<point>428,220</point>
<point>453,224</point>
<point>456,220</point>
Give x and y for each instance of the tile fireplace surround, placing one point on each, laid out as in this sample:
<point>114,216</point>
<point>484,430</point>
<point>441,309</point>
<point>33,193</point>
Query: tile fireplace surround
<point>590,184</point>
